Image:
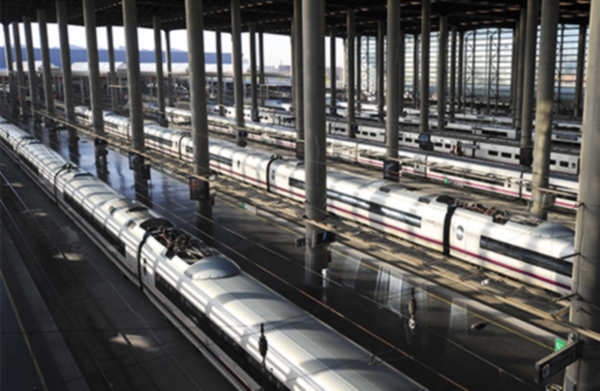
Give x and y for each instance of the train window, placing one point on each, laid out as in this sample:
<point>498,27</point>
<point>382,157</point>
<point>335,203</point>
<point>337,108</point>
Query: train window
<point>30,165</point>
<point>564,164</point>
<point>493,153</point>
<point>373,134</point>
<point>293,182</point>
<point>506,155</point>
<point>438,144</point>
<point>136,209</point>
<point>447,146</point>
<point>552,162</point>
<point>221,159</point>
<point>528,256</point>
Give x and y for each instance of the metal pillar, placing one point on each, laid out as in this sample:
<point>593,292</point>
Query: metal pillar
<point>473,56</point>
<point>579,75</point>
<point>31,71</point>
<point>94,71</point>
<point>513,70</point>
<point>583,375</point>
<point>489,74</point>
<point>390,169</point>
<point>543,112</point>
<point>238,77</point>
<point>12,95</point>
<point>195,27</point>
<point>442,72</point>
<point>520,69</point>
<point>350,31</point>
<point>65,59</point>
<point>358,73</point>
<point>416,70</point>
<point>20,76</point>
<point>160,79</point>
<point>298,78</point>
<point>528,82</point>
<point>453,72</point>
<point>460,82</point>
<point>253,77</point>
<point>401,70</point>
<point>425,31</point>
<point>332,74</point>
<point>313,18</point>
<point>112,72</point>
<point>48,93</point>
<point>220,95</point>
<point>261,69</point>
<point>560,66</point>
<point>379,70</point>
<point>498,69</point>
<point>170,97</point>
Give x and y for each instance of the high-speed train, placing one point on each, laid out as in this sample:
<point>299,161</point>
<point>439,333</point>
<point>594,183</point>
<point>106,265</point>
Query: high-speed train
<point>495,150</point>
<point>537,253</point>
<point>490,177</point>
<point>200,288</point>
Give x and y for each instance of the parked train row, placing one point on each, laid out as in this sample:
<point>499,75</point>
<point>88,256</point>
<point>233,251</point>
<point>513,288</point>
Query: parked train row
<point>497,178</point>
<point>202,288</point>
<point>528,251</point>
<point>561,161</point>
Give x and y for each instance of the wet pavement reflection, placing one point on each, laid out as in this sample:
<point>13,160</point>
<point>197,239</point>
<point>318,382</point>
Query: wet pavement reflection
<point>431,334</point>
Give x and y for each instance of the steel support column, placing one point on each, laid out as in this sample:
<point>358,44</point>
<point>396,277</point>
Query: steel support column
<point>12,93</point>
<point>442,71</point>
<point>47,77</point>
<point>543,112</point>
<point>401,70</point>
<point>313,18</point>
<point>89,18</point>
<point>332,74</point>
<point>65,58</point>
<point>393,91</point>
<point>460,81</point>
<point>298,78</point>
<point>20,75</point>
<point>350,31</point>
<point>238,77</point>
<point>416,70</point>
<point>220,92</point>
<point>513,71</point>
<point>170,97</point>
<point>261,69</point>
<point>527,106</point>
<point>136,115</point>
<point>112,71</point>
<point>425,36</point>
<point>453,73</point>
<point>253,76</point>
<point>160,79</point>
<point>195,27</point>
<point>579,75</point>
<point>379,70</point>
<point>583,375</point>
<point>31,71</point>
<point>358,73</point>
<point>520,69</point>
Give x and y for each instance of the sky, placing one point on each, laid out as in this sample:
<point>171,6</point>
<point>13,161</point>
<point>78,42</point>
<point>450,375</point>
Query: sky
<point>277,47</point>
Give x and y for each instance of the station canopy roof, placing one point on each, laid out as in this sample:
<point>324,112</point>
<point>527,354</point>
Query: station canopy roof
<point>274,16</point>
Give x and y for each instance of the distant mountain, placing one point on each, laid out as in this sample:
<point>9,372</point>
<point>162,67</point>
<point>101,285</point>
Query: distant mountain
<point>79,54</point>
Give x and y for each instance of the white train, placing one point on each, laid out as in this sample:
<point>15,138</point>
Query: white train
<point>276,124</point>
<point>497,178</point>
<point>200,289</point>
<point>537,253</point>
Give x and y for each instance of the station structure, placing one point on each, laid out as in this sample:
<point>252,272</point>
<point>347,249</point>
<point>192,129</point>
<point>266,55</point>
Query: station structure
<point>391,24</point>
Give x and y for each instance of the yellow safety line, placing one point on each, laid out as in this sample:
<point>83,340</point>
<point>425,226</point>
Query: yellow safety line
<point>22,328</point>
